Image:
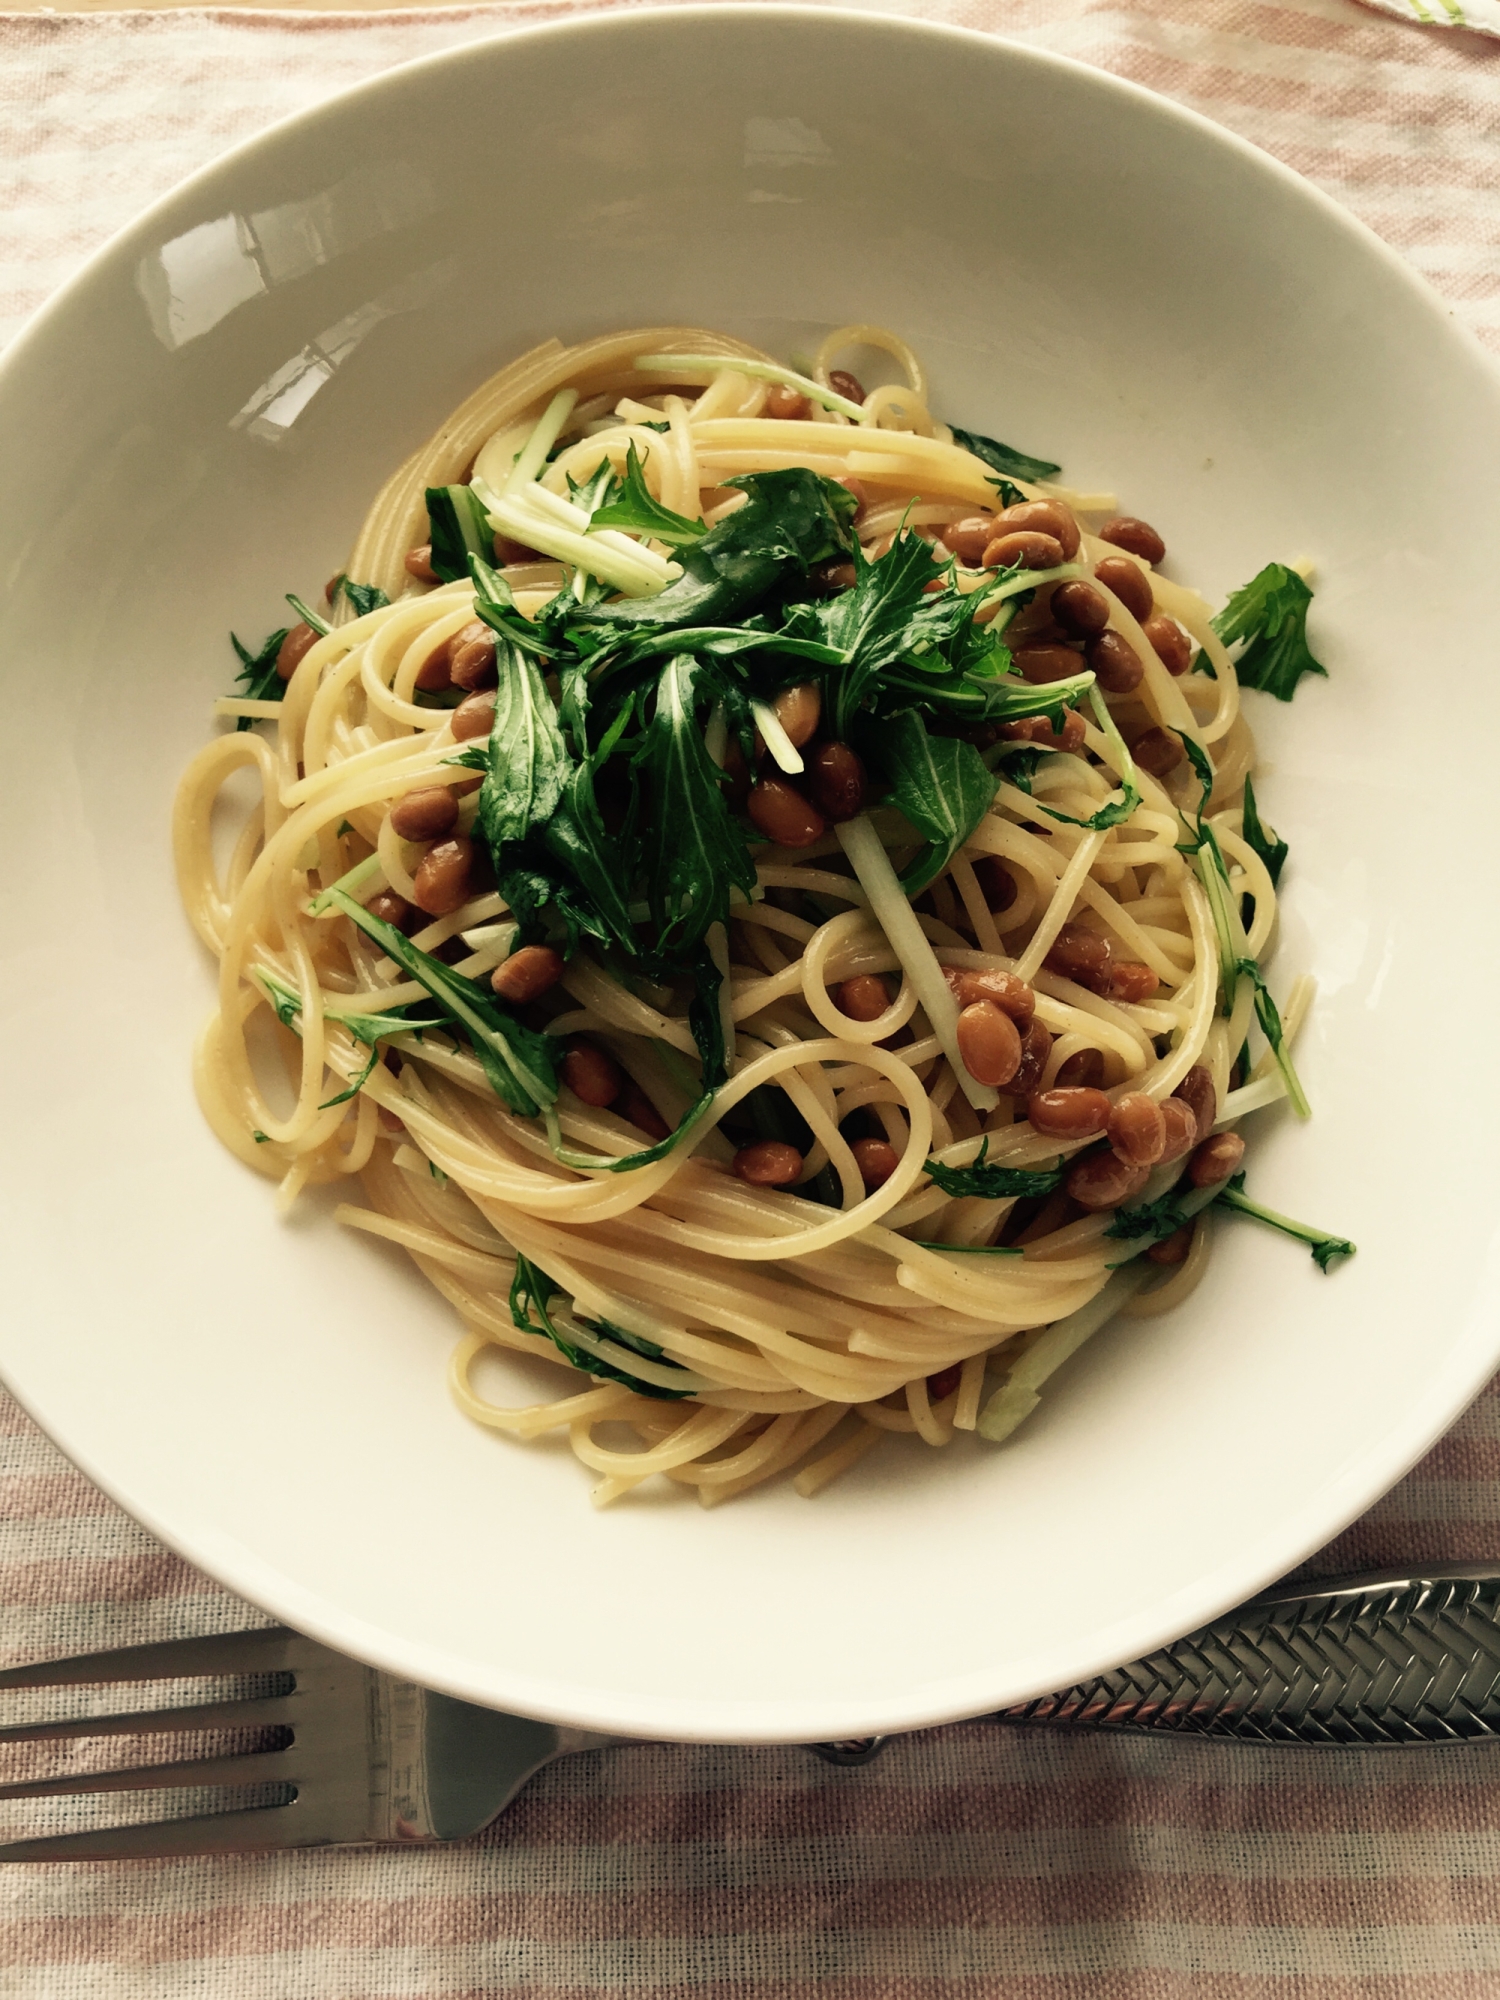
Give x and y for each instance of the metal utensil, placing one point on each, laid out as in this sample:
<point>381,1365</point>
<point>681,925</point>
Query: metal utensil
<point>1384,1659</point>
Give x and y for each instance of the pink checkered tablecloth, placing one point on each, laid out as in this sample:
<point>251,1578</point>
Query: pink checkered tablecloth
<point>970,1861</point>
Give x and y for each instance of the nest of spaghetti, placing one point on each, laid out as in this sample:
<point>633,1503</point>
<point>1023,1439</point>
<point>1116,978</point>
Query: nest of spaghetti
<point>764,891</point>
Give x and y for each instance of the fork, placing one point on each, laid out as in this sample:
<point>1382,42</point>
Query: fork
<point>1395,1657</point>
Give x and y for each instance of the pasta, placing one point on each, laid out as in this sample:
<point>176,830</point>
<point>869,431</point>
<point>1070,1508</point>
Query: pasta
<point>894,1147</point>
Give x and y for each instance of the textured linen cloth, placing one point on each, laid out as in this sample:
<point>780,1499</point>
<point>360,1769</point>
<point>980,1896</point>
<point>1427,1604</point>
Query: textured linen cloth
<point>969,1861</point>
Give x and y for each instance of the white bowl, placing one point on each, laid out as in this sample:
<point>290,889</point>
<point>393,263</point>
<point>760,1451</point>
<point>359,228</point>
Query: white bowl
<point>198,423</point>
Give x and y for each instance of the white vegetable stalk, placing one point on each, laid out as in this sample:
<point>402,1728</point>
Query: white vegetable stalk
<point>562,530</point>
<point>533,455</point>
<point>894,914</point>
<point>683,365</point>
<point>784,752</point>
<point>1016,1398</point>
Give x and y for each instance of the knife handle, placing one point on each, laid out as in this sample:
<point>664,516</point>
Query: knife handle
<point>1394,1657</point>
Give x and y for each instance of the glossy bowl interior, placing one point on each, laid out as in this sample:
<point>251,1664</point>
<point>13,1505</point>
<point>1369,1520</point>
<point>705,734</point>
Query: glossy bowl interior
<point>197,424</point>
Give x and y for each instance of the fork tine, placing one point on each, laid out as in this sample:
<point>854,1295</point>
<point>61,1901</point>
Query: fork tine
<point>265,1711</point>
<point>264,1651</point>
<point>253,1768</point>
<point>212,1833</point>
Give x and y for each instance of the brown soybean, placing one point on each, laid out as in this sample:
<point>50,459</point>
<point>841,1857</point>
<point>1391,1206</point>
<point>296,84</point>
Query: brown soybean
<point>1068,1114</point>
<point>970,537</point>
<point>863,998</point>
<point>989,1043</point>
<point>1129,582</point>
<point>1010,994</point>
<point>1216,1159</point>
<point>1137,1131</point>
<point>877,1160</point>
<point>1131,981</point>
<point>1038,729</point>
<point>1101,1181</point>
<point>1169,642</point>
<point>1116,664</point>
<point>527,974</point>
<point>783,815</point>
<point>1181,1129</point>
<point>471,656</point>
<point>797,709</point>
<point>787,404</point>
<point>441,878</point>
<point>1157,752</point>
<point>474,717</point>
<point>996,883</point>
<point>294,648</point>
<point>425,815</point>
<point>391,909</point>
<point>1080,609</point>
<point>768,1163</point>
<point>1085,1069</point>
<point>592,1076</point>
<point>1036,1048</point>
<point>1041,517</point>
<point>1025,546</point>
<point>419,564</point>
<point>1173,1249</point>
<point>433,673</point>
<point>844,384</point>
<point>838,781</point>
<point>636,1108</point>
<point>1139,537</point>
<point>1199,1095</point>
<point>1081,955</point>
<point>1041,664</point>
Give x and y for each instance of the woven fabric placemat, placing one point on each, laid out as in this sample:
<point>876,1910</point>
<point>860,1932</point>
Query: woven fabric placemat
<point>972,1861</point>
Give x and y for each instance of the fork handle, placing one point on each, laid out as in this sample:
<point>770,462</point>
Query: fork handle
<point>1395,1657</point>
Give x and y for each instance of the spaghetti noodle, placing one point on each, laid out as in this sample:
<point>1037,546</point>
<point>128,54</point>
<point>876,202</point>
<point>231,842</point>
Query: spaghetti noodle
<point>860,1135</point>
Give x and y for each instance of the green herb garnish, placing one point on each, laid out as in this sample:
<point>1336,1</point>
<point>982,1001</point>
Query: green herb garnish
<point>1005,460</point>
<point>995,1183</point>
<point>1323,1246</point>
<point>1271,851</point>
<point>1270,615</point>
<point>531,1292</point>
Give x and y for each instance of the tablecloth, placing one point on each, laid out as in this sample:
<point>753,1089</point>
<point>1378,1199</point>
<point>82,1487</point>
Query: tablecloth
<point>967,1861</point>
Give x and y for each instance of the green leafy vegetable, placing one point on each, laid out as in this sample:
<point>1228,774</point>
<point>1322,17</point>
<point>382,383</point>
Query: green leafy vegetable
<point>970,1249</point>
<point>371,1029</point>
<point>527,761</point>
<point>790,521</point>
<point>1270,615</point>
<point>636,510</point>
<point>531,1292</point>
<point>519,1064</point>
<point>1325,1248</point>
<point>1213,871</point>
<point>1270,1026</point>
<point>1004,459</point>
<point>309,617</point>
<point>257,678</point>
<point>1155,1220</point>
<point>1271,851</point>
<point>1119,810</point>
<point>995,1183</point>
<point>693,851</point>
<point>941,785</point>
<point>365,597</point>
<point>458,528</point>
